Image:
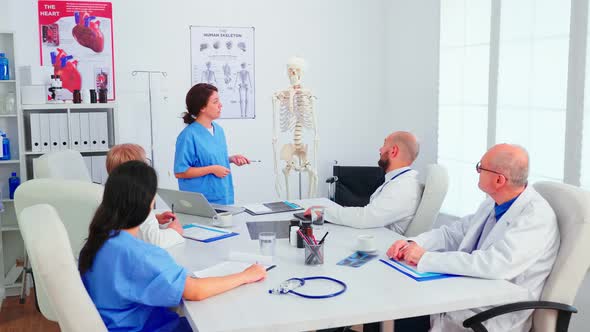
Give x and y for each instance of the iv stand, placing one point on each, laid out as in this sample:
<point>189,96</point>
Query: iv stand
<point>149,73</point>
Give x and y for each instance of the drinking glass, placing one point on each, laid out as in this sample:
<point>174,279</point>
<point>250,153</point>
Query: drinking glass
<point>268,241</point>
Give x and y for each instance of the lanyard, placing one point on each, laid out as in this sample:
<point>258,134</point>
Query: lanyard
<point>289,285</point>
<point>393,178</point>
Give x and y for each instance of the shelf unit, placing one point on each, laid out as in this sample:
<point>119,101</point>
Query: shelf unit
<point>68,109</point>
<point>18,129</point>
<point>11,245</point>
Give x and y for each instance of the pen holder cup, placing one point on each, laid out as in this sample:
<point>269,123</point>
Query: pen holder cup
<point>314,254</point>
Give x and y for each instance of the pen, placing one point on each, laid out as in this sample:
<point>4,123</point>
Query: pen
<point>255,160</point>
<point>172,219</point>
<point>402,249</point>
<point>270,267</point>
<point>323,238</point>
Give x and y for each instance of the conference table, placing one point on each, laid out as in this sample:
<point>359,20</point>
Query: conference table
<point>376,292</point>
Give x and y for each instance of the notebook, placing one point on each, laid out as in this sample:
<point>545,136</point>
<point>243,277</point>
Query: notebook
<point>411,271</point>
<point>205,233</point>
<point>236,262</point>
<point>274,207</point>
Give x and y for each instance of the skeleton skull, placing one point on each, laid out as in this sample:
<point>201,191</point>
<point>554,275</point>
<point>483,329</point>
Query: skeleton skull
<point>295,68</point>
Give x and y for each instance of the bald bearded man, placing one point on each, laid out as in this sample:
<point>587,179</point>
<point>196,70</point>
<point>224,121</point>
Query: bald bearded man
<point>394,203</point>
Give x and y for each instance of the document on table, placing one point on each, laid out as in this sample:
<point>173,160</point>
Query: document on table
<point>411,271</point>
<point>235,263</point>
<point>274,207</point>
<point>205,233</point>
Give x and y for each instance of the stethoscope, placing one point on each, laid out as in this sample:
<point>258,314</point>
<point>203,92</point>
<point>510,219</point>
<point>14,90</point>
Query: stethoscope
<point>289,285</point>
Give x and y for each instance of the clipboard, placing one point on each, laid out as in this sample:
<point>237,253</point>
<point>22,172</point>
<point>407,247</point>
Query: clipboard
<point>205,234</point>
<point>413,273</point>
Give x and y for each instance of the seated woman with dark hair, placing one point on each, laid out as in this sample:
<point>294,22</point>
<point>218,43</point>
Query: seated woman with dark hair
<point>131,282</point>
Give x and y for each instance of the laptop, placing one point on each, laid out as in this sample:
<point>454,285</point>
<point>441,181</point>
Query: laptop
<point>193,203</point>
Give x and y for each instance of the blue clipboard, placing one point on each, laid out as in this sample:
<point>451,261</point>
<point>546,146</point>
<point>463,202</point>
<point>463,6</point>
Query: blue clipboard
<point>213,237</point>
<point>414,274</point>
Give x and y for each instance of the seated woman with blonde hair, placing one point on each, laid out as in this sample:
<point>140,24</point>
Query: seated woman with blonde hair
<point>149,230</point>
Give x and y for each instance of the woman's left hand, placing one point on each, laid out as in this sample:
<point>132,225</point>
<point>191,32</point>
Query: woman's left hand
<point>239,160</point>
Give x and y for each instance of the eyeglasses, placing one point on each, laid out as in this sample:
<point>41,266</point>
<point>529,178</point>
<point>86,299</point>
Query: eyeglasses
<point>478,169</point>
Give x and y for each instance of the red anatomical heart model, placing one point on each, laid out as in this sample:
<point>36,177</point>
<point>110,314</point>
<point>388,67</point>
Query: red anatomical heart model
<point>87,33</point>
<point>67,70</point>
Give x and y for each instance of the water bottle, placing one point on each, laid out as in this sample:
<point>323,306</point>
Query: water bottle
<point>13,183</point>
<point>5,147</point>
<point>4,68</point>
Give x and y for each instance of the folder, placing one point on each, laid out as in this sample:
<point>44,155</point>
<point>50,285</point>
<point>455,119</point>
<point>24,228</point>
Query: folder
<point>205,233</point>
<point>44,130</point>
<point>88,162</point>
<point>54,132</point>
<point>234,263</point>
<point>75,130</point>
<point>274,207</point>
<point>103,131</point>
<point>84,132</point>
<point>35,132</point>
<point>93,125</point>
<point>413,273</point>
<point>104,175</point>
<point>64,137</point>
<point>98,166</point>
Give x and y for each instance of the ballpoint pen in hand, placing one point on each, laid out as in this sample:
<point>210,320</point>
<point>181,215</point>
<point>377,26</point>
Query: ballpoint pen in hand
<point>172,207</point>
<point>255,160</point>
<point>270,267</point>
<point>402,249</point>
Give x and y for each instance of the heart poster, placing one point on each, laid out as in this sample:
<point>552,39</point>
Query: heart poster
<point>76,39</point>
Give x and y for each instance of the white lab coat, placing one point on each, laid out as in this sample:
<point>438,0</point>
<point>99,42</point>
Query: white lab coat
<point>150,231</point>
<point>392,205</point>
<point>520,248</point>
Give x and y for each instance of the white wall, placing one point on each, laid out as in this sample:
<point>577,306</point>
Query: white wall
<point>411,66</point>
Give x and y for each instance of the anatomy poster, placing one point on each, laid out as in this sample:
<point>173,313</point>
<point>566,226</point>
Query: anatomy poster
<point>76,39</point>
<point>224,57</point>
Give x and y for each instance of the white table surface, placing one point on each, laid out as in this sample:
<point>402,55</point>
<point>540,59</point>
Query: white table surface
<point>375,292</point>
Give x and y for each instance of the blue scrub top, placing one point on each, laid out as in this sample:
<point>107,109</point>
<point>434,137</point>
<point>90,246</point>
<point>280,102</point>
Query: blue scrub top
<point>196,147</point>
<point>132,283</point>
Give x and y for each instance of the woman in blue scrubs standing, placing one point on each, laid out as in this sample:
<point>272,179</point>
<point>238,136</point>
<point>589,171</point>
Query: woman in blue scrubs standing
<point>201,161</point>
<point>131,282</point>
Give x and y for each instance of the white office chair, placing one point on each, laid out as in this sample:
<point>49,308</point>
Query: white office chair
<point>553,311</point>
<point>56,269</point>
<point>66,164</point>
<point>436,185</point>
<point>75,203</point>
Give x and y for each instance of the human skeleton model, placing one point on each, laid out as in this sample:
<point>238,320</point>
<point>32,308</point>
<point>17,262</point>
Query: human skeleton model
<point>244,84</point>
<point>295,111</point>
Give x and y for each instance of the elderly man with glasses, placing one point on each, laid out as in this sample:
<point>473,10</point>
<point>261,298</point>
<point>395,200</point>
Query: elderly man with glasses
<point>513,235</point>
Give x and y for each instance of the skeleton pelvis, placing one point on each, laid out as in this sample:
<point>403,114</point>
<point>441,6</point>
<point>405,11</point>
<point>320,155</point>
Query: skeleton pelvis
<point>288,151</point>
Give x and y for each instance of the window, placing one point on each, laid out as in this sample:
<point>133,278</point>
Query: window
<point>532,82</point>
<point>463,98</point>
